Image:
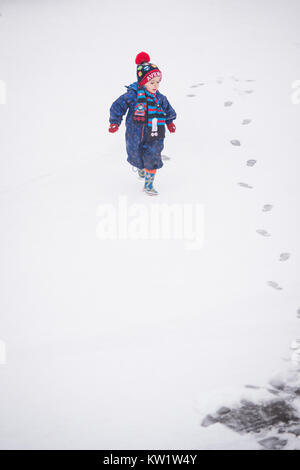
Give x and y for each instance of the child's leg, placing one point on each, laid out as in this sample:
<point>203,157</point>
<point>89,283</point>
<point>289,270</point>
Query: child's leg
<point>152,161</point>
<point>149,177</point>
<point>151,154</point>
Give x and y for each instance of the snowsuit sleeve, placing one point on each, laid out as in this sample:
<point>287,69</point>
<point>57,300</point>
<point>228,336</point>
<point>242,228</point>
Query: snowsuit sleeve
<point>119,108</point>
<point>167,108</point>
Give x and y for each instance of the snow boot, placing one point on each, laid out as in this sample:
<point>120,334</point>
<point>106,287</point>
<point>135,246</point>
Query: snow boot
<point>148,187</point>
<point>141,174</point>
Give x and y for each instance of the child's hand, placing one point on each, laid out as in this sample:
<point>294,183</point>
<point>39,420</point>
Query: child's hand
<point>113,128</point>
<point>171,126</point>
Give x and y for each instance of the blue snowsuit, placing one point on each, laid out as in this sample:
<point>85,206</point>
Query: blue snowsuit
<point>141,154</point>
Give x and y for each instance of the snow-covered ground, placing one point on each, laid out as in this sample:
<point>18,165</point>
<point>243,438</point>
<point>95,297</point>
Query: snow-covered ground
<point>128,344</point>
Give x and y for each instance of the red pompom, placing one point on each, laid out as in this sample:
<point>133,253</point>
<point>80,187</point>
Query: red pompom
<point>142,57</point>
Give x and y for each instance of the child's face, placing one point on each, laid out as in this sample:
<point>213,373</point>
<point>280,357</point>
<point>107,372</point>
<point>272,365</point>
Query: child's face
<point>153,84</point>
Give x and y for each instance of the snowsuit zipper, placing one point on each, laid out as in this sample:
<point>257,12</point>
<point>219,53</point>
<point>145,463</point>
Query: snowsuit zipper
<point>143,132</point>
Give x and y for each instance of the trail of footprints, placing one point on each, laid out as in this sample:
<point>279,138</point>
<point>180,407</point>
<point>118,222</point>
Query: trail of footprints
<point>266,207</point>
<point>275,419</point>
<point>240,89</point>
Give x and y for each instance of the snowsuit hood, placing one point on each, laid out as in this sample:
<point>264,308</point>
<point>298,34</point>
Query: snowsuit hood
<point>134,86</point>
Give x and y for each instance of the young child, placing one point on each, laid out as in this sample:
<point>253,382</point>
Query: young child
<point>148,112</point>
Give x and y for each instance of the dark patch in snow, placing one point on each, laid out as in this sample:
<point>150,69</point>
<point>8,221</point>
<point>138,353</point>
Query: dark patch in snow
<point>263,232</point>
<point>253,417</point>
<point>274,392</point>
<point>295,430</point>
<point>251,162</point>
<point>284,256</point>
<point>245,185</point>
<point>271,413</point>
<point>228,103</point>
<point>223,410</point>
<point>273,443</point>
<point>235,142</point>
<point>246,121</point>
<point>277,383</point>
<point>190,96</point>
<point>274,285</point>
<point>165,157</point>
<point>267,207</point>
<point>208,421</point>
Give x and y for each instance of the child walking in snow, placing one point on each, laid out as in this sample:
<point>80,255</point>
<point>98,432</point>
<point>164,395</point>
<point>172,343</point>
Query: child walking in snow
<point>149,112</point>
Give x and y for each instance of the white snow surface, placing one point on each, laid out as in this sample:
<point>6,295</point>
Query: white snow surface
<point>123,344</point>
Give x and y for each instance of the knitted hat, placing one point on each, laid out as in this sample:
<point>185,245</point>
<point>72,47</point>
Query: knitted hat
<point>145,70</point>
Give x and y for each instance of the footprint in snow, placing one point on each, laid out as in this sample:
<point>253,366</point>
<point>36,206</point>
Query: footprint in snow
<point>275,392</point>
<point>246,121</point>
<point>196,85</point>
<point>274,285</point>
<point>267,207</point>
<point>228,103</point>
<point>273,443</point>
<point>248,91</point>
<point>249,80</point>
<point>284,256</point>
<point>165,157</point>
<point>251,162</point>
<point>263,232</point>
<point>245,185</point>
<point>190,96</point>
<point>298,313</point>
<point>235,142</point>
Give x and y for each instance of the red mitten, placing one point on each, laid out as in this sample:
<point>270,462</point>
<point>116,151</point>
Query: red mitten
<point>171,126</point>
<point>113,127</point>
